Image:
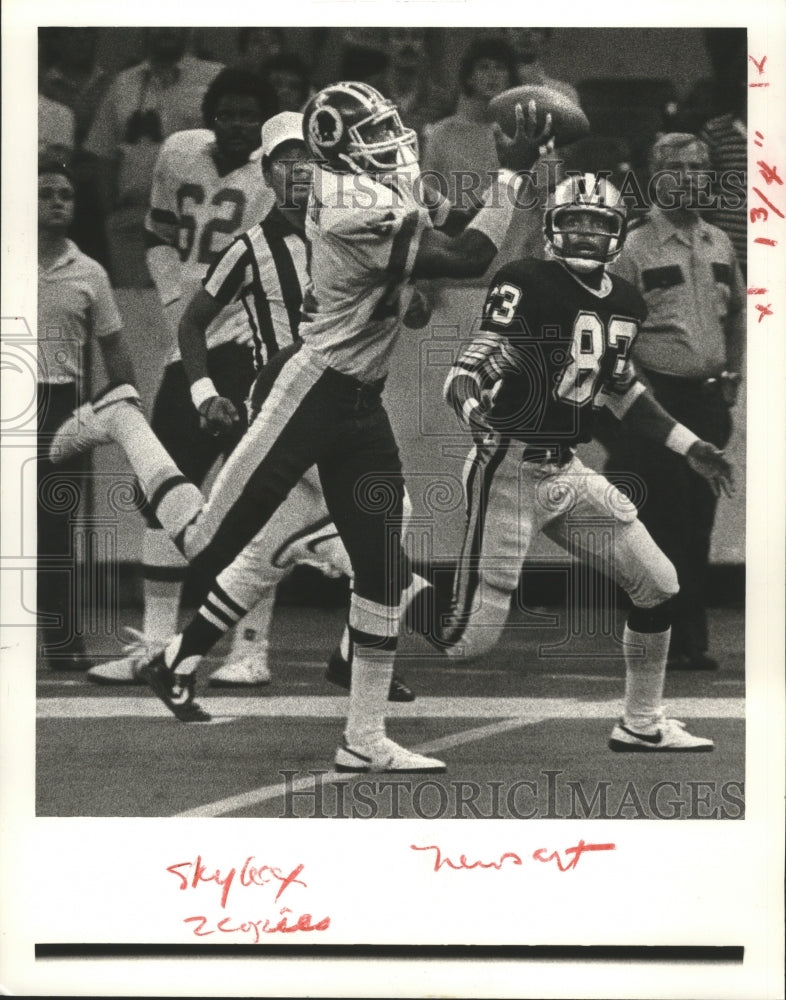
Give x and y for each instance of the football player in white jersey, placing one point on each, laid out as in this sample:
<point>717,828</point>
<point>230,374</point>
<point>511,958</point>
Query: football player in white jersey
<point>265,269</point>
<point>207,188</point>
<point>320,400</point>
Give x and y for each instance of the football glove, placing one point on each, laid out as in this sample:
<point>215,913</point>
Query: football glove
<point>218,416</point>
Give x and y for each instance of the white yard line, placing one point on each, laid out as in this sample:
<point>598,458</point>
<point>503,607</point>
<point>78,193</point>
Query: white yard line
<point>330,707</point>
<point>267,792</point>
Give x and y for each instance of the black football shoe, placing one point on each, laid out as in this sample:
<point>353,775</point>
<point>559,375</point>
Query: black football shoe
<point>175,690</point>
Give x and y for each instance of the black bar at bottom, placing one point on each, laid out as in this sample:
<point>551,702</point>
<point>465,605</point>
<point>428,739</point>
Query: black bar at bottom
<point>590,953</point>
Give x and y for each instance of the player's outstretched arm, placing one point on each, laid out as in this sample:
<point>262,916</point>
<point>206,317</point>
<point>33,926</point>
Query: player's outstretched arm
<point>218,413</point>
<point>469,254</point>
<point>644,415</point>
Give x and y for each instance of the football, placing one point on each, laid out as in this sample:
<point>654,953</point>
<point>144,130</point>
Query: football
<point>568,121</point>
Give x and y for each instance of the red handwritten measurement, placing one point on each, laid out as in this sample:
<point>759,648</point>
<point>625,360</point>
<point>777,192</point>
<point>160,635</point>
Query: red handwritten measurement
<point>541,854</point>
<point>193,874</point>
<point>285,925</point>
<point>763,213</point>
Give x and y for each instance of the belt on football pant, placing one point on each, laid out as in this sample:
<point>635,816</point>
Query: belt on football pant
<point>554,454</point>
<point>683,383</point>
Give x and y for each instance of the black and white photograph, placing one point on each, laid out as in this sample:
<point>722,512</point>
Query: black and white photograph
<point>393,433</point>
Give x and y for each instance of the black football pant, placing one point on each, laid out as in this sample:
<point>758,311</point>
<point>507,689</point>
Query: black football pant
<point>309,414</point>
<point>60,490</point>
<point>175,420</point>
<point>679,506</point>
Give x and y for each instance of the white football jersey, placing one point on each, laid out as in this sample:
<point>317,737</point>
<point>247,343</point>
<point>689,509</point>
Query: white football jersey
<point>364,237</point>
<point>199,213</point>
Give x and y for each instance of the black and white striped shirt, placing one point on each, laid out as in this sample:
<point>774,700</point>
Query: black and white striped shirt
<point>266,269</point>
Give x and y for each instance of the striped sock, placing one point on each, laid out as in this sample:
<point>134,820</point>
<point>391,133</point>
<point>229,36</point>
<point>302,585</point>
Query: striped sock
<point>218,614</point>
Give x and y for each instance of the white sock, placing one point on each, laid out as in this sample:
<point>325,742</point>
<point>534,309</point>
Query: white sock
<point>645,676</point>
<point>372,670</point>
<point>251,635</point>
<point>162,606</point>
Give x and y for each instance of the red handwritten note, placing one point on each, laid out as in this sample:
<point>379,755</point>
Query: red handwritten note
<point>540,854</point>
<point>198,876</point>
<point>760,214</point>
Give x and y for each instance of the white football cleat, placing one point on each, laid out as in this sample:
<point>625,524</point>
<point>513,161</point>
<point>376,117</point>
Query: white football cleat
<point>123,671</point>
<point>666,736</point>
<point>322,549</point>
<point>87,427</point>
<point>249,671</point>
<point>139,648</point>
<point>382,754</point>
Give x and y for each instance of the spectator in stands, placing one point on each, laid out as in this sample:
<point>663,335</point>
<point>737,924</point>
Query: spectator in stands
<point>56,125</point>
<point>409,81</point>
<point>73,78</point>
<point>290,78</point>
<point>255,46</point>
<point>690,351</point>
<point>363,59</point>
<point>727,138</point>
<point>56,129</point>
<point>144,104</point>
<point>702,102</point>
<point>530,45</point>
<point>460,150</point>
<point>75,305</point>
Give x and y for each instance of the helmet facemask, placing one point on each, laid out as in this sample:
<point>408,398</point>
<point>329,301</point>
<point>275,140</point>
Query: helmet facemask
<point>581,243</point>
<point>367,152</point>
<point>585,223</point>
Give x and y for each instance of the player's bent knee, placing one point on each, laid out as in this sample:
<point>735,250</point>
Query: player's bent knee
<point>663,582</point>
<point>484,625</point>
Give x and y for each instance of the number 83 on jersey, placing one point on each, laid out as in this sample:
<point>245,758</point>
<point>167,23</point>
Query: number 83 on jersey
<point>577,381</point>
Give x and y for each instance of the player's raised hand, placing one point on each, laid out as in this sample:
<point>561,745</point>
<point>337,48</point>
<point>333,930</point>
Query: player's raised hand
<point>521,151</point>
<point>418,310</point>
<point>218,416</point>
<point>711,463</point>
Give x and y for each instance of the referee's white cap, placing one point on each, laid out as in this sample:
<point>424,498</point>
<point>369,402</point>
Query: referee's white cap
<point>285,127</point>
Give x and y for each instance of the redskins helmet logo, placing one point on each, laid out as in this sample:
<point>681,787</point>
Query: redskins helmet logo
<point>326,127</point>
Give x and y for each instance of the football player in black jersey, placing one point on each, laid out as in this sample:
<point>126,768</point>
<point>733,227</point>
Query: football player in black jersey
<point>554,347</point>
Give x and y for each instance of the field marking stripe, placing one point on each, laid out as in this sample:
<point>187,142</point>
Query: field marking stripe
<point>333,707</point>
<point>267,792</point>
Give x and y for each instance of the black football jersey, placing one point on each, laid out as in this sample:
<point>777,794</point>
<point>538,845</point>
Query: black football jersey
<point>566,346</point>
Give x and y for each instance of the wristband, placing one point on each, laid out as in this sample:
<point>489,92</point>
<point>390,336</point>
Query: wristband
<point>202,390</point>
<point>497,212</point>
<point>681,440</point>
